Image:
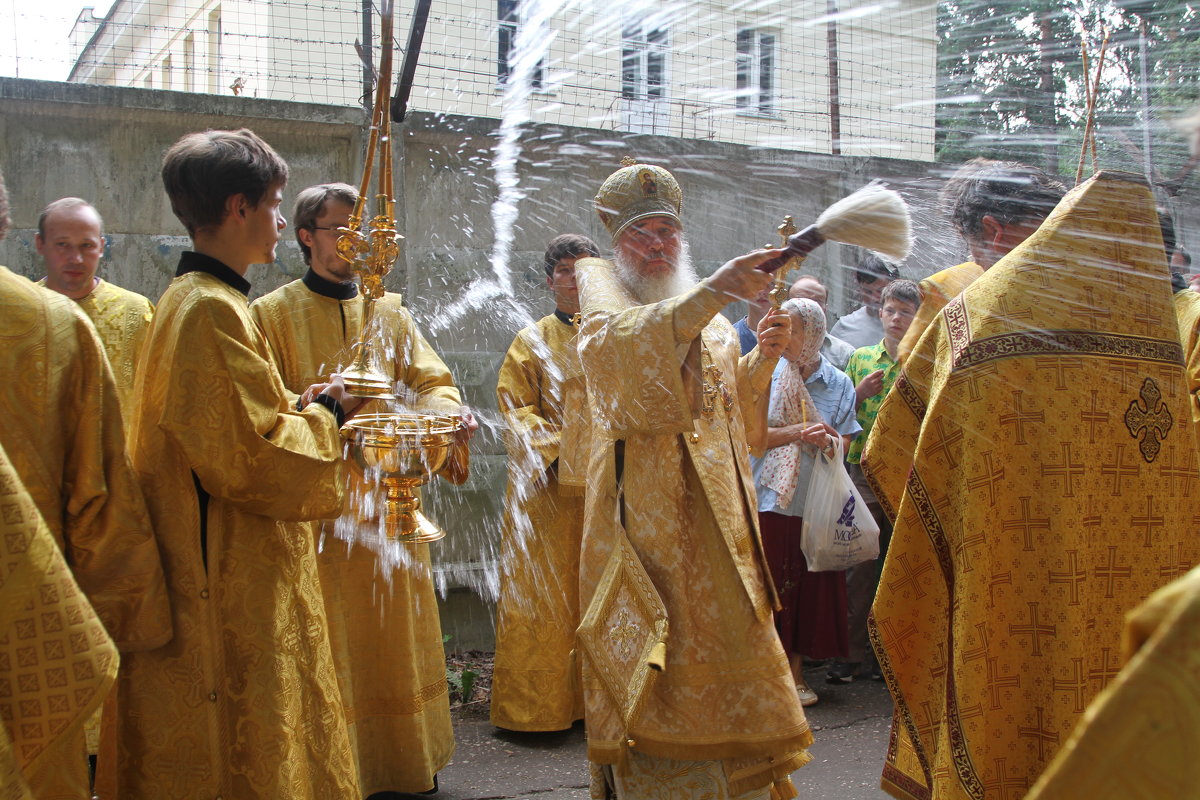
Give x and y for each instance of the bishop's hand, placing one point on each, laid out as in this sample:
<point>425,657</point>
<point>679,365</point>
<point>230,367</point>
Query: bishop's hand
<point>774,332</point>
<point>738,279</point>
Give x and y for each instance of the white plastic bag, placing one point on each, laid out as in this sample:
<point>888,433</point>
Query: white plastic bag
<point>838,530</point>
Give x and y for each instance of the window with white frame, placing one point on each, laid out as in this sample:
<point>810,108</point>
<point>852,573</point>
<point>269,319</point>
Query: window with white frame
<point>644,47</point>
<point>506,13</point>
<point>756,55</point>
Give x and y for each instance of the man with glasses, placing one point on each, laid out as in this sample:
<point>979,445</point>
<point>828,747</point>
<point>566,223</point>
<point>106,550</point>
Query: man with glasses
<point>384,629</point>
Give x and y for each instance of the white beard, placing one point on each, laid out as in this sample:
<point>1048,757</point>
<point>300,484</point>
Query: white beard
<point>655,290</point>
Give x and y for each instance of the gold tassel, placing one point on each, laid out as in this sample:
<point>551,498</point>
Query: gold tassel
<point>658,656</point>
<point>783,789</point>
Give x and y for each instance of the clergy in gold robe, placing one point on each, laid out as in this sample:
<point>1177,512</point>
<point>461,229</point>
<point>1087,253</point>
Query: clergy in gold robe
<point>64,433</point>
<point>541,392</point>
<point>57,662</point>
<point>993,205</point>
<point>1037,457</point>
<point>243,703</point>
<point>1187,312</point>
<point>1139,738</point>
<point>385,628</point>
<point>70,241</point>
<point>936,291</point>
<point>685,682</point>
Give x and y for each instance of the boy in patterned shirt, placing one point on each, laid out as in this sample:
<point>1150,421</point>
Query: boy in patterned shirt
<point>873,370</point>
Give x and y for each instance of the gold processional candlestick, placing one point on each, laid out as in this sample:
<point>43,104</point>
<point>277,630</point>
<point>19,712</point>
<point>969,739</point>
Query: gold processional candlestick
<point>779,294</point>
<point>402,448</point>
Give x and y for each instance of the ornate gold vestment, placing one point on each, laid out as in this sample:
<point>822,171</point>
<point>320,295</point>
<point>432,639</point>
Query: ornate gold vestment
<point>121,319</point>
<point>56,660</point>
<point>542,394</point>
<point>1139,738</point>
<point>936,291</point>
<point>243,702</point>
<point>1187,309</point>
<point>1037,457</point>
<point>64,434</point>
<point>681,658</point>
<point>386,634</point>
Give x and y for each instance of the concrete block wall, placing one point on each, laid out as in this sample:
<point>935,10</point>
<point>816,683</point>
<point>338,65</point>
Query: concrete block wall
<point>105,144</point>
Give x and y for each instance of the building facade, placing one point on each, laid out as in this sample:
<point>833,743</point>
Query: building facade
<point>855,80</point>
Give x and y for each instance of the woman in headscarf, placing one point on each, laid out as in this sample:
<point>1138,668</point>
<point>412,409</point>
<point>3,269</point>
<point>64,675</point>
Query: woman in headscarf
<point>811,403</point>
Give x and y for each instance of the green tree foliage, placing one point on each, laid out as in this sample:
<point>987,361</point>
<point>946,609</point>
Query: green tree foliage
<point>1011,80</point>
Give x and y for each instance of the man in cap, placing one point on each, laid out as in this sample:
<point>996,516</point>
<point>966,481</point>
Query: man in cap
<point>70,240</point>
<point>685,681</point>
<point>994,206</point>
<point>385,633</point>
<point>1036,456</point>
<point>541,392</point>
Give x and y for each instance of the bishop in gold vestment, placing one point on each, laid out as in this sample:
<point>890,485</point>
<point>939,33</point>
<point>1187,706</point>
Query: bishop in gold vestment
<point>64,434</point>
<point>1052,487</point>
<point>541,392</point>
<point>385,629</point>
<point>56,660</point>
<point>243,703</point>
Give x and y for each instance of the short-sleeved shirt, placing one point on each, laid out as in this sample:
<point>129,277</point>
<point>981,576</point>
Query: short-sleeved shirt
<point>865,361</point>
<point>833,395</point>
<point>746,337</point>
<point>860,328</point>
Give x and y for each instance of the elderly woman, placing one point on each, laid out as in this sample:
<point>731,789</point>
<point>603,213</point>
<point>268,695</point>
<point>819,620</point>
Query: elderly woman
<point>811,403</point>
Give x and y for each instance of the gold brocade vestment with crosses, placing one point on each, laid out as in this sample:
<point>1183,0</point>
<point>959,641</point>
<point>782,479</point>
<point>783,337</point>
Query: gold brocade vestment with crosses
<point>243,702</point>
<point>121,318</point>
<point>542,394</point>
<point>385,631</point>
<point>56,660</point>
<point>1037,456</point>
<point>681,658</point>
<point>64,435</point>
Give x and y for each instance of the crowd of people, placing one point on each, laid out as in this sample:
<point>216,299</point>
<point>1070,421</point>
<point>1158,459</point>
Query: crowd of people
<point>1023,427</point>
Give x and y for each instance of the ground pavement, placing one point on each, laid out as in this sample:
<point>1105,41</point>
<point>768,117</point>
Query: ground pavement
<point>850,728</point>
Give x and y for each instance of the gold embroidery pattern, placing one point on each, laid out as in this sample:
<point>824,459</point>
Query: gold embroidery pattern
<point>1150,415</point>
<point>1067,342</point>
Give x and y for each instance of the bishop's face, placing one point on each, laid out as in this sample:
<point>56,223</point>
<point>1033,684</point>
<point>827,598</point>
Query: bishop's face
<point>651,246</point>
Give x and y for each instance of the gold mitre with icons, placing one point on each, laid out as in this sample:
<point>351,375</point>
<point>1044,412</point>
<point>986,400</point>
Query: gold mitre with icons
<point>637,191</point>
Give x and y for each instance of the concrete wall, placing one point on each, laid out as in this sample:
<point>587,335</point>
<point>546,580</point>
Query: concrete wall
<point>105,144</point>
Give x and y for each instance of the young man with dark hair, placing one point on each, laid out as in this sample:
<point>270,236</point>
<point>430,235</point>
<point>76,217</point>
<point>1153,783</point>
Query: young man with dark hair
<point>244,701</point>
<point>385,629</point>
<point>861,328</point>
<point>541,393</point>
<point>994,206</point>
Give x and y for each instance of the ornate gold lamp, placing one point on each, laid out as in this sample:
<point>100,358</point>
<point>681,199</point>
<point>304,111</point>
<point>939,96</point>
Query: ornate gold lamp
<point>402,448</point>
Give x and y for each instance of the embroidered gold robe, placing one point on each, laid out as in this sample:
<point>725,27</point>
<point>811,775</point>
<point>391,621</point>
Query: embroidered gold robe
<point>56,660</point>
<point>243,703</point>
<point>1139,738</point>
<point>1187,310</point>
<point>64,434</point>
<point>936,291</point>
<point>121,319</point>
<point>681,658</point>
<point>541,392</point>
<point>1053,486</point>
<point>385,630</point>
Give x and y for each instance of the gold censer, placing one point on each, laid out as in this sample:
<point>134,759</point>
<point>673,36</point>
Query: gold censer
<point>400,448</point>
